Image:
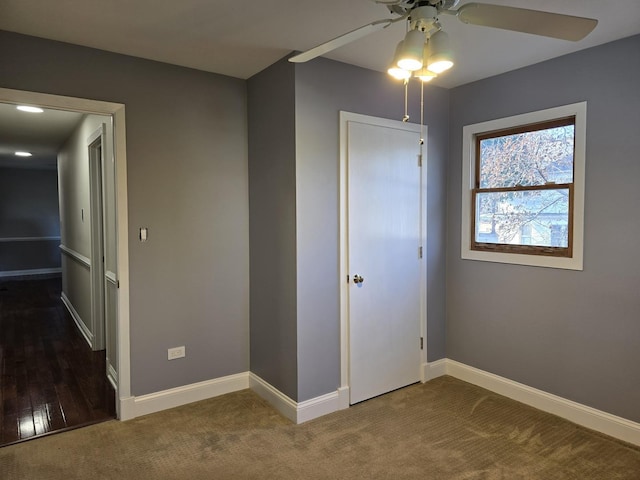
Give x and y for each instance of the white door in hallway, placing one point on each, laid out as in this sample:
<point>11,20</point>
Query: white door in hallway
<point>384,256</point>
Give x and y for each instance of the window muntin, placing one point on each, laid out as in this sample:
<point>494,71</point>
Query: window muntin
<point>522,200</point>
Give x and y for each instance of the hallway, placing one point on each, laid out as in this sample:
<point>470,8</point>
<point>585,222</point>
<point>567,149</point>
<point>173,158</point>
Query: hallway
<point>50,380</point>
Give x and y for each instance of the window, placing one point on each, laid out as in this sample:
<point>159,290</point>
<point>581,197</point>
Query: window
<point>523,188</point>
<point>522,198</point>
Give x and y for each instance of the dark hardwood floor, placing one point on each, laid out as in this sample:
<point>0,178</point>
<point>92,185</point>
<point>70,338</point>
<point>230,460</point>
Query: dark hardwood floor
<point>50,380</point>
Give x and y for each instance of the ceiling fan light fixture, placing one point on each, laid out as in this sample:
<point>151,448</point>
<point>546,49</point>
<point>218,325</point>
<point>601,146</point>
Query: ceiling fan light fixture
<point>394,70</point>
<point>440,58</point>
<point>425,74</point>
<point>440,66</point>
<point>411,50</point>
<point>399,73</point>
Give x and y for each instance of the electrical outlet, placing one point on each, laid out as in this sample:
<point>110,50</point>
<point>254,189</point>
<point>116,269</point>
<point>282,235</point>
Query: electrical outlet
<point>177,352</point>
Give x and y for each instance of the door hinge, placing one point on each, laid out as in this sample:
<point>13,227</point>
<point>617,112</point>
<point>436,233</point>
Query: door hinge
<point>420,160</point>
<point>421,343</point>
<point>420,252</point>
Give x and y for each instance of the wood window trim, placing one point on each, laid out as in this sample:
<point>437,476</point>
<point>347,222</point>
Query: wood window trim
<point>566,252</point>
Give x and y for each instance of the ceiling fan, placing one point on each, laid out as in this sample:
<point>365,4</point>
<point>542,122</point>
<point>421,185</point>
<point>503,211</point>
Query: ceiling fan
<point>424,52</point>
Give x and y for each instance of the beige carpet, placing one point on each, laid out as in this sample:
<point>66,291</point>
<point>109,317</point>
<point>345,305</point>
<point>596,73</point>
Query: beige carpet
<point>444,429</point>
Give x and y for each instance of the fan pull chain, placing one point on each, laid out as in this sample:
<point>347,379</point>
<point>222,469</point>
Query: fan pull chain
<point>406,95</point>
<point>421,116</point>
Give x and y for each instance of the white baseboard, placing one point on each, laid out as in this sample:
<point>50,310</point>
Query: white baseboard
<point>303,411</point>
<point>175,397</point>
<point>318,406</point>
<point>84,330</point>
<point>132,407</point>
<point>275,397</point>
<point>343,398</point>
<point>30,272</point>
<point>431,370</point>
<point>126,408</point>
<point>589,417</point>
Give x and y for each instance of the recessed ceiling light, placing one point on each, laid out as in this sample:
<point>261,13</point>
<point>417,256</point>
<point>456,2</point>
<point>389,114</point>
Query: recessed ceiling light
<point>27,108</point>
<point>23,154</point>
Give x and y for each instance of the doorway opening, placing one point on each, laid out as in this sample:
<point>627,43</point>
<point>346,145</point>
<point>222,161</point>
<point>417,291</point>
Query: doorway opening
<point>107,256</point>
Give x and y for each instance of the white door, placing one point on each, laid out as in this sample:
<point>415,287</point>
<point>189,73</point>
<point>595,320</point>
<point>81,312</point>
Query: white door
<point>384,235</point>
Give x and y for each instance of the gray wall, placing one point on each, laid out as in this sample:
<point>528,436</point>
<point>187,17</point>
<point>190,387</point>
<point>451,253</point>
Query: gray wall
<point>187,182</point>
<point>294,187</point>
<point>272,201</point>
<point>73,177</point>
<point>575,334</point>
<point>75,220</point>
<point>29,209</point>
<point>323,88</point>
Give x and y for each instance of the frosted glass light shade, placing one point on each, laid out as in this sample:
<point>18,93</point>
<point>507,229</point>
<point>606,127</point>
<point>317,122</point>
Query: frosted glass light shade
<point>410,57</point>
<point>440,66</point>
<point>399,73</point>
<point>440,58</point>
<point>394,70</point>
<point>425,74</point>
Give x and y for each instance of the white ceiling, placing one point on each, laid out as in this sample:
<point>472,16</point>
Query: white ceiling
<point>241,38</point>
<point>42,134</point>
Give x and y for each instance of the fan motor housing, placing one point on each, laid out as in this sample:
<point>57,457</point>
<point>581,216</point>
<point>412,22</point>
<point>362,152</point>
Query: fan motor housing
<point>403,7</point>
<point>422,18</point>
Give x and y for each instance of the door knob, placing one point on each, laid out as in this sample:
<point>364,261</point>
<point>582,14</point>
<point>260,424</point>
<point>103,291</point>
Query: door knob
<point>357,279</point>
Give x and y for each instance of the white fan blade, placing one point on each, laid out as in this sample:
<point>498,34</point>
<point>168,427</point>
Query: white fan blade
<point>555,25</point>
<point>341,40</point>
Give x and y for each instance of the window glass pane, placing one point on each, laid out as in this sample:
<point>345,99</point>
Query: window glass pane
<point>535,217</point>
<point>530,158</point>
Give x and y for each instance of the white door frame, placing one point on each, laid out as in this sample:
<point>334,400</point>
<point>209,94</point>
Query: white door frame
<point>124,403</point>
<point>96,193</point>
<point>345,118</point>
